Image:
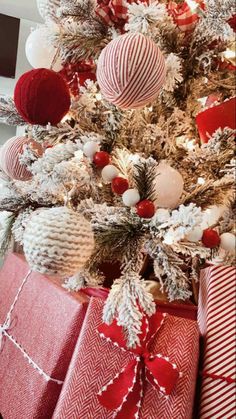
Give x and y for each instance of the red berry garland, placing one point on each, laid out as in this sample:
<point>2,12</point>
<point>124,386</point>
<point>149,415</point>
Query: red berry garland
<point>101,158</point>
<point>145,209</point>
<point>210,238</point>
<point>119,185</point>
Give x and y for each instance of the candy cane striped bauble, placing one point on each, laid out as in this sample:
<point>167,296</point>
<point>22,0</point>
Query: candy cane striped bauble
<point>57,241</point>
<point>9,158</point>
<point>48,8</point>
<point>131,71</point>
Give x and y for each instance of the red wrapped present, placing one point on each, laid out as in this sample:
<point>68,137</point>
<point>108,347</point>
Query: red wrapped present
<point>148,376</point>
<point>219,116</point>
<point>39,327</point>
<point>217,323</point>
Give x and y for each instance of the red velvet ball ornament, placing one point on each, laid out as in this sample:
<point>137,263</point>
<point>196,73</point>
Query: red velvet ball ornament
<point>145,209</point>
<point>210,238</point>
<point>101,158</point>
<point>42,96</point>
<point>119,185</point>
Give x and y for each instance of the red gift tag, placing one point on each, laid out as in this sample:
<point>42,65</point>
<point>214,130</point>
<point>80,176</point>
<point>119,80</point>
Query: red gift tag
<point>219,116</point>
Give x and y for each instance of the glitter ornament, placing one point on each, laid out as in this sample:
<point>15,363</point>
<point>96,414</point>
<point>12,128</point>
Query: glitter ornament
<point>57,241</point>
<point>168,186</point>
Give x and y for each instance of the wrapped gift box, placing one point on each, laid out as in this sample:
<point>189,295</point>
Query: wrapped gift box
<point>45,324</point>
<point>217,324</point>
<point>95,362</point>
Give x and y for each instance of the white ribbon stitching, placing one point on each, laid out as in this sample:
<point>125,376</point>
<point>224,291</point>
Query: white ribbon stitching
<point>5,327</point>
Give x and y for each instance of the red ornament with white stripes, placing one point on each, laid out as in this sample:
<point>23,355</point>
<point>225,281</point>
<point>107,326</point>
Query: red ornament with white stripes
<point>217,324</point>
<point>131,71</point>
<point>9,157</point>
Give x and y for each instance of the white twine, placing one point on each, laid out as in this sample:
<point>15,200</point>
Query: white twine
<point>6,325</point>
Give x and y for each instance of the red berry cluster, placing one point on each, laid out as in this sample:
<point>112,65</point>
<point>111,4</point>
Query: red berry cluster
<point>120,185</point>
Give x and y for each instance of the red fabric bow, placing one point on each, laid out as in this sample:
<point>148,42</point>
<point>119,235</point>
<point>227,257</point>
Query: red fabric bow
<point>124,393</point>
<point>76,75</point>
<point>183,16</point>
<point>114,12</point>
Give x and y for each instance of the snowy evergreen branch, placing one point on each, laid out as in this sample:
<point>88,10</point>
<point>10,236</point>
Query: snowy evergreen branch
<point>128,301</point>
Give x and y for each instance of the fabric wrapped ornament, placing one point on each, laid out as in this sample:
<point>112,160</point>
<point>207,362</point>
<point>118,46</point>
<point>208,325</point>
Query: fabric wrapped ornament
<point>57,241</point>
<point>184,16</point>
<point>219,116</point>
<point>42,96</point>
<point>131,71</point>
<point>48,8</point>
<point>9,157</point>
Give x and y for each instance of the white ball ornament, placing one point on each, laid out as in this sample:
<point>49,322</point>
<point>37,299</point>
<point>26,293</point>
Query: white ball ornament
<point>90,148</point>
<point>169,186</point>
<point>57,241</point>
<point>109,172</point>
<point>228,242</point>
<point>195,234</point>
<point>131,71</point>
<point>39,52</point>
<point>131,197</point>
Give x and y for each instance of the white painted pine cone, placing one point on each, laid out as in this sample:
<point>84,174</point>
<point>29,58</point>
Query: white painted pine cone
<point>57,241</point>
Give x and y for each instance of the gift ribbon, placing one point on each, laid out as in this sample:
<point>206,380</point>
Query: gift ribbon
<point>112,12</point>
<point>124,392</point>
<point>4,332</point>
<point>229,380</point>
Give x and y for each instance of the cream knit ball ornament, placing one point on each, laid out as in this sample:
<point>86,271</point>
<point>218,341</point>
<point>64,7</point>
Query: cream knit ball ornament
<point>131,71</point>
<point>57,241</point>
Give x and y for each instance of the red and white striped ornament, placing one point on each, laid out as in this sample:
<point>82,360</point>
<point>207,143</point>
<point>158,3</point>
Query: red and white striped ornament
<point>131,71</point>
<point>9,158</point>
<point>217,323</point>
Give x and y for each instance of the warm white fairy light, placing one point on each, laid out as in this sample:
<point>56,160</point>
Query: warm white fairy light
<point>201,181</point>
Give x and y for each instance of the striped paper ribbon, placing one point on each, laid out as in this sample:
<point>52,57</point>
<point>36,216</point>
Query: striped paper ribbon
<point>217,323</point>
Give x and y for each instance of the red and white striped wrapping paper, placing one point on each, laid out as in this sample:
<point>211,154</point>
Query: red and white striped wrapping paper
<point>217,323</point>
<point>96,361</point>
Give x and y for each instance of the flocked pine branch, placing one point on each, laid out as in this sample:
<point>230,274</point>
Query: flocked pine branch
<point>8,113</point>
<point>144,174</point>
<point>127,302</point>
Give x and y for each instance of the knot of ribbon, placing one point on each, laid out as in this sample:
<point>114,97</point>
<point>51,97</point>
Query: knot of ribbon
<point>183,15</point>
<point>3,328</point>
<point>124,392</point>
<point>112,12</point>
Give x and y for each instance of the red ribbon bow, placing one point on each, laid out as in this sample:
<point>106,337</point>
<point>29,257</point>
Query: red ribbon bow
<point>124,393</point>
<point>112,12</point>
<point>183,16</point>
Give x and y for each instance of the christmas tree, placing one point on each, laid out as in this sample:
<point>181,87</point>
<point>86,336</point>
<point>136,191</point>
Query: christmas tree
<point>129,147</point>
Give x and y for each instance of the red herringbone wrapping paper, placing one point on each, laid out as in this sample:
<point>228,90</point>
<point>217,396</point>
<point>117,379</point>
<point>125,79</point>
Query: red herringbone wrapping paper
<point>46,322</point>
<point>217,323</point>
<point>96,361</point>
